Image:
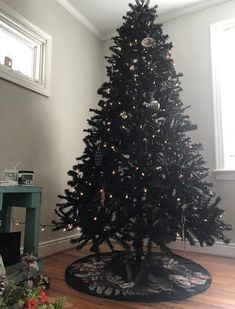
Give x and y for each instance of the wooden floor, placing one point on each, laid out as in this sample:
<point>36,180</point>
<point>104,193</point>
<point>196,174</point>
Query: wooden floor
<point>221,294</point>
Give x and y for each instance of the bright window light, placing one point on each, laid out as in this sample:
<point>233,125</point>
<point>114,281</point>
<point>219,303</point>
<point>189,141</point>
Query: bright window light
<point>227,81</point>
<point>223,65</point>
<point>25,52</point>
<point>20,53</point>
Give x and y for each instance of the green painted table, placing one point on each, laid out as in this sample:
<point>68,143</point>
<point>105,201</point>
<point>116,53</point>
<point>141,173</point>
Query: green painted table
<point>27,197</point>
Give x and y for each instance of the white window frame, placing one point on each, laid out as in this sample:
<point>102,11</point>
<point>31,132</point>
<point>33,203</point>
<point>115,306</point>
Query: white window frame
<point>220,172</point>
<point>44,44</point>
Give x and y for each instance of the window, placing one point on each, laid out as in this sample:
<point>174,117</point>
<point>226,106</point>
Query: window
<point>223,68</point>
<point>25,52</point>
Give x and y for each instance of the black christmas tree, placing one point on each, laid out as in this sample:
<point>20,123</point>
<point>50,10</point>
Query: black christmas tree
<point>140,181</point>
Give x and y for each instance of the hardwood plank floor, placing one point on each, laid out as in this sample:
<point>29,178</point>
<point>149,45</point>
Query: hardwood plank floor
<point>221,294</point>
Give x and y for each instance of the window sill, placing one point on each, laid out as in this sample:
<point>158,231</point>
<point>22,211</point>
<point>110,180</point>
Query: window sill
<point>23,80</point>
<point>227,175</point>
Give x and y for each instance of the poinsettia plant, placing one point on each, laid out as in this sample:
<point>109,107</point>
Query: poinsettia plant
<point>30,293</point>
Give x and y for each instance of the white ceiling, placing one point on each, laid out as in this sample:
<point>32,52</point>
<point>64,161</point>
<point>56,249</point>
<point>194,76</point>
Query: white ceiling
<point>104,16</point>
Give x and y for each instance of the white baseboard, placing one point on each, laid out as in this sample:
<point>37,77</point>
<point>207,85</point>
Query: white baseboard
<point>50,247</point>
<point>60,244</point>
<point>219,248</point>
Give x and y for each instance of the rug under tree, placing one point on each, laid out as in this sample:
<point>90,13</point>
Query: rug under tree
<point>116,276</point>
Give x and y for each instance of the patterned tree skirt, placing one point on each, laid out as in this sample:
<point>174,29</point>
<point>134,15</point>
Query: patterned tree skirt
<point>117,276</point>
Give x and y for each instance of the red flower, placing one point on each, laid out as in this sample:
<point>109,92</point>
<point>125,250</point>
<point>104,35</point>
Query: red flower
<point>31,303</point>
<point>43,296</point>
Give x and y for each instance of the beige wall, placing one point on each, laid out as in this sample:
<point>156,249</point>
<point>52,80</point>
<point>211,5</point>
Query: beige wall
<point>190,35</point>
<point>192,54</point>
<point>45,134</point>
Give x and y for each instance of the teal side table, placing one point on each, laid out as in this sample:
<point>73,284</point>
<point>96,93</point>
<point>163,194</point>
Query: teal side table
<point>27,197</point>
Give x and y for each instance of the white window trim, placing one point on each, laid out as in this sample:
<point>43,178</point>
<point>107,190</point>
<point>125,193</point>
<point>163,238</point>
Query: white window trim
<point>220,173</point>
<point>43,86</point>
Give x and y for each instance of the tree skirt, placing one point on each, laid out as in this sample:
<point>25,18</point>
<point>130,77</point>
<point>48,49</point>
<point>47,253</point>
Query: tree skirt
<point>117,276</point>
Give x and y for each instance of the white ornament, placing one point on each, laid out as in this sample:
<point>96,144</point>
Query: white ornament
<point>153,105</point>
<point>148,42</point>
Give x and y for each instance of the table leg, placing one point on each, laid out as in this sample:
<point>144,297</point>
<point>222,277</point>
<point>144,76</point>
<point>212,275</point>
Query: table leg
<point>32,225</point>
<point>5,216</point>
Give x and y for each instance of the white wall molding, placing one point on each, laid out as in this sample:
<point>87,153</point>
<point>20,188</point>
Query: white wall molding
<point>191,9</point>
<point>219,248</point>
<point>176,14</point>
<point>162,19</point>
<point>80,17</point>
<point>50,247</point>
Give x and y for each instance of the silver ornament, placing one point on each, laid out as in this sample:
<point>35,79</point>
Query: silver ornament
<point>124,115</point>
<point>153,105</point>
<point>148,42</point>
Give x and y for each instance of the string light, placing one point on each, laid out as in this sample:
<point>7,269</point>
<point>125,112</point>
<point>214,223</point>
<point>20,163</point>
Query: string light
<point>42,226</point>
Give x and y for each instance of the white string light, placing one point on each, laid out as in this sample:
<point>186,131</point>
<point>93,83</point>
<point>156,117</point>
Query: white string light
<point>43,226</point>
